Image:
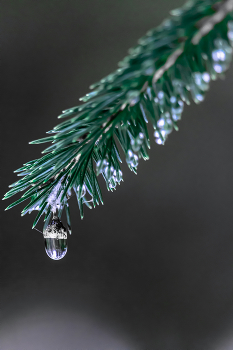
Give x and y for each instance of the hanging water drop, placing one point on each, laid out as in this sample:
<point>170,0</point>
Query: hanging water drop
<point>177,107</point>
<point>159,141</point>
<point>112,183</point>
<point>137,142</point>
<point>109,172</point>
<point>202,80</point>
<point>221,56</point>
<point>132,159</point>
<point>118,175</point>
<point>101,165</point>
<point>55,236</point>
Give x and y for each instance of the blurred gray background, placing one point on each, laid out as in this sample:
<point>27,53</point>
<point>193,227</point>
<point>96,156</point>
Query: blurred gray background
<point>152,269</point>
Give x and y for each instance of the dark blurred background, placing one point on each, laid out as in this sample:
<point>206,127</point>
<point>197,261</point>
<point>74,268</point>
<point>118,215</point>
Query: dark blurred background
<point>152,269</point>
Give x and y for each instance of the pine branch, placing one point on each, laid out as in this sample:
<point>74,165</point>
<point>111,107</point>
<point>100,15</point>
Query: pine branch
<point>172,64</point>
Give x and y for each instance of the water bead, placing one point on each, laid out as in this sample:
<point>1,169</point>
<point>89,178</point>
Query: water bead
<point>221,56</point>
<point>219,68</point>
<point>135,146</point>
<point>55,236</point>
<point>98,164</point>
<point>167,129</point>
<point>137,142</point>
<point>101,165</point>
<point>196,93</point>
<point>132,159</point>
<point>161,122</point>
<point>177,108</point>
<point>200,97</point>
<point>159,141</point>
<point>162,132</point>
<point>160,95</point>
<point>112,183</point>
<point>197,77</point>
<point>118,175</point>
<point>56,249</point>
<point>176,117</point>
<point>173,99</point>
<point>206,77</point>
<point>109,172</point>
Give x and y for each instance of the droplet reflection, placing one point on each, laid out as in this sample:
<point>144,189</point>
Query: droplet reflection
<point>55,248</point>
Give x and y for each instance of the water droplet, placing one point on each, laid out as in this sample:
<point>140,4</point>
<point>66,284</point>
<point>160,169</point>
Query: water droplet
<point>176,117</point>
<point>109,172</point>
<point>177,110</point>
<point>56,249</point>
<point>202,80</point>
<point>206,77</point>
<point>132,159</point>
<point>221,55</point>
<point>137,142</point>
<point>118,175</point>
<point>173,99</point>
<point>101,165</point>
<point>55,237</point>
<point>161,122</point>
<point>220,68</point>
<point>160,95</point>
<point>199,97</point>
<point>162,132</point>
<point>159,141</point>
<point>112,183</point>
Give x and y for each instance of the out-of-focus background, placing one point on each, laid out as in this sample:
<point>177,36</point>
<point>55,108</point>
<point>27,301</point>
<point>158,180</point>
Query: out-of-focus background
<point>152,269</point>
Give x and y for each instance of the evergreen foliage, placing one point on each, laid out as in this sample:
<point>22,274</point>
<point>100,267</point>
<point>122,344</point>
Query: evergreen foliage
<point>171,65</point>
